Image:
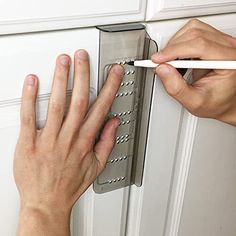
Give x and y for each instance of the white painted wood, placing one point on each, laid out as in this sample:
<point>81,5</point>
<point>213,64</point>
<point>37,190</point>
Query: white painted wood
<point>23,54</point>
<point>167,9</point>
<point>101,214</point>
<point>158,207</point>
<point>148,204</point>
<point>9,203</point>
<point>212,139</point>
<point>28,16</point>
<point>36,53</point>
<point>209,203</point>
<point>182,167</point>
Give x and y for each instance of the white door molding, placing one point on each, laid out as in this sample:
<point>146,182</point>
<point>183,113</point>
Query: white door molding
<point>159,10</point>
<point>57,18</point>
<point>181,177</point>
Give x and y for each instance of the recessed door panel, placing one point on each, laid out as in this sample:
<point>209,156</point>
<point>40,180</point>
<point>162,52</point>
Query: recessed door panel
<point>27,16</point>
<point>167,9</point>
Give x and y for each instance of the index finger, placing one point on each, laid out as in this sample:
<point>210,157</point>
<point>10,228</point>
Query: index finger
<point>197,48</point>
<point>193,24</point>
<point>101,107</point>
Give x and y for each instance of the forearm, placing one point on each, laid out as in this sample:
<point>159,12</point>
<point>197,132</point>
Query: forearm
<point>37,222</point>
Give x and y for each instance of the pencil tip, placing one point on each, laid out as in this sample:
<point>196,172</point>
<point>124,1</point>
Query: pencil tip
<point>131,63</point>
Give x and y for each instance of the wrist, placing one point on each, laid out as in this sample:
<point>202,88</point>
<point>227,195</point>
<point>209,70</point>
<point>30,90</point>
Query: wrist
<point>44,221</point>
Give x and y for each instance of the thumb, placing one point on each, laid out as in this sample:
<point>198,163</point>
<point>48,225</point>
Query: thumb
<point>106,142</point>
<point>177,87</point>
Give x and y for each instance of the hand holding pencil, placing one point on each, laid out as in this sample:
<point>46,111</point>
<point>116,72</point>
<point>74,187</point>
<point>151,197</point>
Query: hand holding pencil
<point>212,95</point>
<point>189,64</point>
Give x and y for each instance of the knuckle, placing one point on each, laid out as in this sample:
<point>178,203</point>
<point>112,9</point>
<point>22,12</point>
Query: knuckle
<point>85,141</point>
<point>102,107</point>
<point>30,152</point>
<point>174,89</point>
<point>64,145</point>
<point>50,147</point>
<point>201,43</point>
<point>81,104</point>
<point>57,108</point>
<point>194,23</point>
<point>46,147</point>
<point>83,69</point>
<point>27,120</point>
<point>83,149</point>
<point>194,33</point>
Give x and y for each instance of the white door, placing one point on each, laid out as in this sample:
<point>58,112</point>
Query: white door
<point>190,170</point>
<point>170,201</point>
<point>36,53</point>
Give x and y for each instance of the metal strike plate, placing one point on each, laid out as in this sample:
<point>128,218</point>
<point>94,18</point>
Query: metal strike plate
<point>118,45</point>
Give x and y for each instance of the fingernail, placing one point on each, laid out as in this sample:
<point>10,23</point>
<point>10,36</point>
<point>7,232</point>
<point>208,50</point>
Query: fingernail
<point>64,60</point>
<point>119,70</point>
<point>82,54</point>
<point>162,70</point>
<point>30,80</point>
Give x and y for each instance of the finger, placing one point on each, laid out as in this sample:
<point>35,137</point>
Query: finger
<point>191,25</point>
<point>80,95</point>
<point>28,111</point>
<point>191,34</point>
<point>57,100</point>
<point>196,48</point>
<point>102,105</point>
<point>189,96</point>
<point>106,142</point>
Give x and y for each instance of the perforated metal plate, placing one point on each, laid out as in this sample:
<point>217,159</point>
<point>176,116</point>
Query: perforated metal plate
<point>119,47</point>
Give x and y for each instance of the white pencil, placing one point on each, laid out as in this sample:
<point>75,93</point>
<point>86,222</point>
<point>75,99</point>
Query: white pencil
<point>194,64</point>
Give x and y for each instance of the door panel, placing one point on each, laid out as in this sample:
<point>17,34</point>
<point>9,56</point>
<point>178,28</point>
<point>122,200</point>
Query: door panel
<point>36,53</point>
<point>209,206</point>
<point>203,194</point>
<point>28,15</point>
<point>101,214</point>
<point>167,9</point>
<point>184,184</point>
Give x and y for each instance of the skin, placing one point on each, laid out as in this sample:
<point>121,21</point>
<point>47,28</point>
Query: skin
<point>55,165</point>
<point>212,93</point>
